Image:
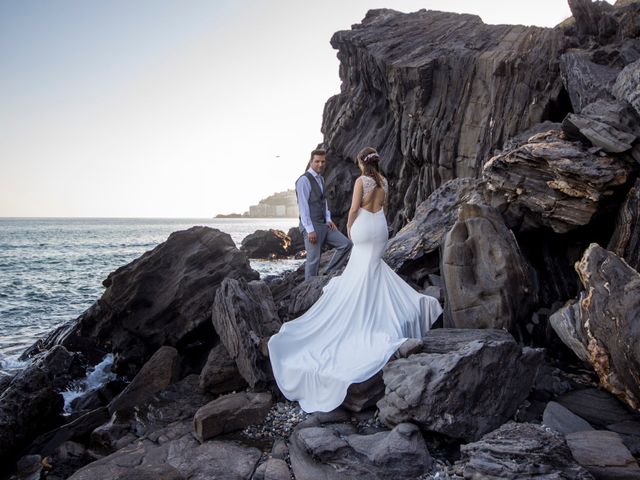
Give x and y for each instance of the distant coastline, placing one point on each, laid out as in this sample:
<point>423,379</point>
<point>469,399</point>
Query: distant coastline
<point>278,205</point>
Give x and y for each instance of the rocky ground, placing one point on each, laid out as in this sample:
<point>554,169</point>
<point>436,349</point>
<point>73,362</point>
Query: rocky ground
<point>513,156</point>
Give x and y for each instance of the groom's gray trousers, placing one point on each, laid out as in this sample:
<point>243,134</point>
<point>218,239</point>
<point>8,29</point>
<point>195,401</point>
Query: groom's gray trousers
<point>324,235</point>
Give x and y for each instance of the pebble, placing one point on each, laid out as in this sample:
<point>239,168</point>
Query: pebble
<point>279,422</point>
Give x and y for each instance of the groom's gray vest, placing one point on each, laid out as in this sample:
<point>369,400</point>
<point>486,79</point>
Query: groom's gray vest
<point>317,203</point>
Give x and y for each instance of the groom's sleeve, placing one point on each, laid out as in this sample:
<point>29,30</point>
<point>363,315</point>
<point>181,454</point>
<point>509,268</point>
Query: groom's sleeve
<point>303,189</point>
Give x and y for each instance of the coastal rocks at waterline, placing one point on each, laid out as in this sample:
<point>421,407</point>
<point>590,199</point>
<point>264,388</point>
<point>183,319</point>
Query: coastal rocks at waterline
<point>268,244</point>
<point>487,280</point>
<point>244,316</point>
<point>445,389</point>
<point>162,298</point>
<point>338,452</point>
<point>601,327</point>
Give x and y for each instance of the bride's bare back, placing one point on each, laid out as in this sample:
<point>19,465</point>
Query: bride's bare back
<point>373,196</point>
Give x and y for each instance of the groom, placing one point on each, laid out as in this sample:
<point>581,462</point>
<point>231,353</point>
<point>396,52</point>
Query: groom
<point>315,219</point>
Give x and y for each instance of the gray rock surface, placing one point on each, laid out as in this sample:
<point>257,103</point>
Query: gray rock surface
<point>229,413</point>
<point>516,451</point>
<point>326,453</point>
<point>220,373</point>
<point>601,326</point>
<point>446,391</point>
<point>487,281</point>
<point>603,454</point>
<point>266,244</point>
<point>244,316</point>
<point>562,420</point>
<point>625,241</point>
<point>627,85</point>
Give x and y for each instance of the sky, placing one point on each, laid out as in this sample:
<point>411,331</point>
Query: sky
<point>189,108</point>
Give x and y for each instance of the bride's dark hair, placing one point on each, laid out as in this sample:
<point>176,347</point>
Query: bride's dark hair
<point>369,163</point>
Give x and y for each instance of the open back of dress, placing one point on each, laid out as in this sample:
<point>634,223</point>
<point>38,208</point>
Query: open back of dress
<point>350,333</point>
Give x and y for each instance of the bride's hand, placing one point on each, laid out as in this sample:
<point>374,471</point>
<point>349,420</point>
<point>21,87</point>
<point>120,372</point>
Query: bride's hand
<point>349,233</point>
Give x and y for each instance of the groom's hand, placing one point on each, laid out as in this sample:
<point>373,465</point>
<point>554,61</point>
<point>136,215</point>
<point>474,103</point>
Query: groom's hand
<point>313,238</point>
<point>332,226</point>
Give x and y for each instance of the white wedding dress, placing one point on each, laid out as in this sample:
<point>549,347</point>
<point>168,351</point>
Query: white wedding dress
<point>350,333</point>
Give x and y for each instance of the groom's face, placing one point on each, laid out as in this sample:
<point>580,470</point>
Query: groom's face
<point>318,163</point>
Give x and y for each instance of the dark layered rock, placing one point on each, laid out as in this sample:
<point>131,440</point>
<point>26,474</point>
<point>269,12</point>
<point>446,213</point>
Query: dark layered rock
<point>297,241</point>
<point>404,80</point>
<point>162,298</point>
<point>601,326</point>
<point>563,420</point>
<point>551,182</point>
<point>364,394</point>
<point>245,317</point>
<point>487,281</point>
<point>603,454</point>
<point>176,447</point>
<point>229,413</point>
<point>519,450</point>
<point>220,373</point>
<point>272,469</point>
<point>627,85</point>
<point>158,373</point>
<point>334,452</point>
<point>445,390</point>
<point>414,250</point>
<point>305,294</point>
<point>266,244</point>
<point>585,80</point>
<point>625,241</point>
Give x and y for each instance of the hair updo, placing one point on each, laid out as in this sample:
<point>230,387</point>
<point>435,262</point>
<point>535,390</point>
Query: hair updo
<point>369,163</point>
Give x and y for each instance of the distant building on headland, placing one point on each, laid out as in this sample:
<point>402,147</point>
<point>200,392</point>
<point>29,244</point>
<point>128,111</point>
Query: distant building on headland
<point>281,204</point>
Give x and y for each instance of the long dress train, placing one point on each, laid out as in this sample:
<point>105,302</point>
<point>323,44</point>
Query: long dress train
<point>350,333</point>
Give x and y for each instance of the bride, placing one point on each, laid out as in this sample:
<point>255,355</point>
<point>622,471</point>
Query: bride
<point>363,315</point>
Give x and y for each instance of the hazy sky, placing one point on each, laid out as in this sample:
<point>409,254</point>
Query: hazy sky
<point>156,108</point>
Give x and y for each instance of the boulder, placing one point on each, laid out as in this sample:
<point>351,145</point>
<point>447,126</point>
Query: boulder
<point>266,244</point>
<point>487,281</point>
<point>305,294</point>
<point>627,85</point>
<point>551,182</point>
<point>625,241</point>
<point>328,453</point>
<point>164,297</point>
<point>415,248</point>
<point>601,327</point>
<point>244,316</point>
<point>158,373</point>
<point>297,241</point>
<point>445,390</point>
<point>562,420</point>
<point>435,93</point>
<point>175,447</point>
<point>519,450</point>
<point>220,373</point>
<point>272,469</point>
<point>603,454</point>
<point>363,395</point>
<point>585,80</point>
<point>229,413</point>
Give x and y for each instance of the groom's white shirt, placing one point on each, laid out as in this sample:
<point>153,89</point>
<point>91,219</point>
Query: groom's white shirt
<point>303,189</point>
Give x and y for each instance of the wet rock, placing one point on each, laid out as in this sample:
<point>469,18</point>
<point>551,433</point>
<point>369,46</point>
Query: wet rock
<point>266,244</point>
<point>551,182</point>
<point>519,450</point>
<point>323,452</point>
<point>163,297</point>
<point>603,454</point>
<point>562,420</point>
<point>244,316</point>
<point>600,326</point>
<point>487,281</point>
<point>158,373</point>
<point>229,413</point>
<point>446,391</point>
<point>220,373</point>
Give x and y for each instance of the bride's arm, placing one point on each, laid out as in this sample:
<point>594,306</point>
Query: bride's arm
<point>355,204</point>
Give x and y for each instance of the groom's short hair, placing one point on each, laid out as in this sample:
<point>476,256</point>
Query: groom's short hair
<point>317,151</point>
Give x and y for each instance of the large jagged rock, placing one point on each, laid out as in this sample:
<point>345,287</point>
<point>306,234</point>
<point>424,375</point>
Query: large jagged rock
<point>220,373</point>
<point>175,446</point>
<point>336,452</point>
<point>415,248</point>
<point>266,244</point>
<point>586,81</point>
<point>487,281</point>
<point>445,390</point>
<point>244,316</point>
<point>602,326</point>
<point>625,241</point>
<point>163,297</point>
<point>551,182</point>
<point>519,450</point>
<point>627,85</point>
<point>435,93</point>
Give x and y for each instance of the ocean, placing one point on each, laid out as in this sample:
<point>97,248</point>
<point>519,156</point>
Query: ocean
<point>51,269</point>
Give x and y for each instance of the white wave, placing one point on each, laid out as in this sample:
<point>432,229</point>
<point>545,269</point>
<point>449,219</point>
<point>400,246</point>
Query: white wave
<point>96,377</point>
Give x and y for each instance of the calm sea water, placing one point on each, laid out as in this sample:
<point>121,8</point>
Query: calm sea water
<point>51,269</point>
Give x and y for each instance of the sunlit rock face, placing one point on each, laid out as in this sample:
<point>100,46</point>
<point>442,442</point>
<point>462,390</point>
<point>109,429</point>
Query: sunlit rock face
<point>435,93</point>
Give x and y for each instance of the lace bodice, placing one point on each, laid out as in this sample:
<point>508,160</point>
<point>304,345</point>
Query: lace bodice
<point>368,184</point>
